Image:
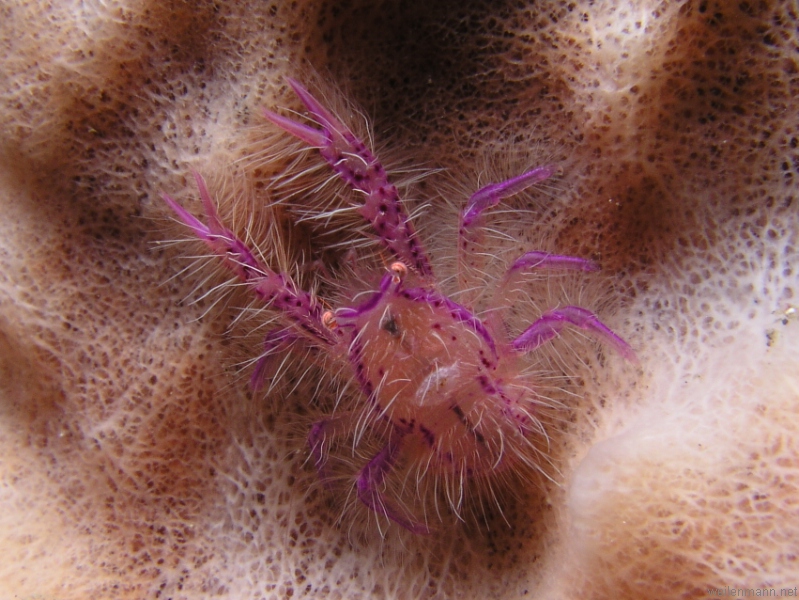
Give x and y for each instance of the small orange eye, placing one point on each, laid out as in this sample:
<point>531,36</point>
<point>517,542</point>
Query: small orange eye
<point>400,271</point>
<point>329,320</point>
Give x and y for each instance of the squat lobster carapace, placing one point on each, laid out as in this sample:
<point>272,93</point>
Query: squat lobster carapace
<point>446,392</point>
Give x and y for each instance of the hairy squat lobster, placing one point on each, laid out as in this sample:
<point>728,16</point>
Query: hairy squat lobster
<point>446,391</point>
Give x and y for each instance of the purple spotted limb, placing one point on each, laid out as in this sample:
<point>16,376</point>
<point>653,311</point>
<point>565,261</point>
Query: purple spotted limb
<point>443,396</point>
<point>370,479</point>
<point>357,166</point>
<point>276,290</point>
<point>472,250</point>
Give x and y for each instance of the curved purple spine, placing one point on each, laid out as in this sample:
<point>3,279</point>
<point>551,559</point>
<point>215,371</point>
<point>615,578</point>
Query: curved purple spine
<point>545,260</point>
<point>551,323</point>
<point>494,193</point>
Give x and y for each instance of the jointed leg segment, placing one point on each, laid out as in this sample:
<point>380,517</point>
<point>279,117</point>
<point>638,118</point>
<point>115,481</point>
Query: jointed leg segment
<point>371,477</point>
<point>494,193</point>
<point>275,289</point>
<point>354,162</point>
<point>551,323</point>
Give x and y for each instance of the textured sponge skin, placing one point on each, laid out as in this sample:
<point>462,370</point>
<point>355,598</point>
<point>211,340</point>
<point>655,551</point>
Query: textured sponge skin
<point>135,463</point>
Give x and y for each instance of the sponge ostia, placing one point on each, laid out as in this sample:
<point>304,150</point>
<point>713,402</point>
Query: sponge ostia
<point>137,463</point>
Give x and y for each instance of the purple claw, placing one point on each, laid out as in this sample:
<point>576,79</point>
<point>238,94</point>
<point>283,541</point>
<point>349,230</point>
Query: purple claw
<point>275,289</point>
<point>371,478</point>
<point>552,322</point>
<point>545,260</point>
<point>216,236</point>
<point>362,171</point>
<point>309,135</point>
<point>493,194</point>
<point>326,119</point>
<point>471,244</point>
<point>199,228</point>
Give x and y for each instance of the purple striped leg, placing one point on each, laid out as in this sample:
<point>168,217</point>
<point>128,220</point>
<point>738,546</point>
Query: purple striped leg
<point>372,476</point>
<point>551,323</point>
<point>355,164</point>
<point>276,290</point>
<point>471,239</point>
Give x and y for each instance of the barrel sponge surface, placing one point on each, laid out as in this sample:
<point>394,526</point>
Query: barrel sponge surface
<point>134,461</point>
